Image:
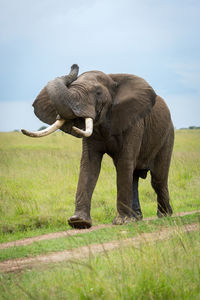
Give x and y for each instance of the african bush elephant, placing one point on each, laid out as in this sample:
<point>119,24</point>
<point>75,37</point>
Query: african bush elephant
<point>117,114</point>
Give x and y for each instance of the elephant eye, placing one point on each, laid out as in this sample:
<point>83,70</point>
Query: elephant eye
<point>98,92</point>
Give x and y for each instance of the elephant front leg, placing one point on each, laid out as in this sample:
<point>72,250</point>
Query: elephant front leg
<point>89,172</point>
<point>124,168</point>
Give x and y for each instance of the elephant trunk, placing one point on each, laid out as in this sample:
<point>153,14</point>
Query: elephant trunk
<point>60,94</point>
<point>70,102</point>
<point>72,76</point>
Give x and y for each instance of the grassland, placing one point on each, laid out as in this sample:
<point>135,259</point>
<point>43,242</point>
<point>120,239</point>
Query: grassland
<point>165,270</point>
<point>38,179</point>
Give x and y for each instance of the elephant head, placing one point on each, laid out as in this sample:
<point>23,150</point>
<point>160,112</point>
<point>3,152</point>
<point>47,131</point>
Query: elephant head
<point>76,104</point>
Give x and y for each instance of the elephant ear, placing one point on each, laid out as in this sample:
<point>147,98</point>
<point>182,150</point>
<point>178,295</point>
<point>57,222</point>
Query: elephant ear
<point>44,108</point>
<point>134,99</point>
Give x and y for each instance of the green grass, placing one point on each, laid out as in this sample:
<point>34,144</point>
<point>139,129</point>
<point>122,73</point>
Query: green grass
<point>38,179</point>
<point>100,236</point>
<point>19,235</point>
<point>164,270</point>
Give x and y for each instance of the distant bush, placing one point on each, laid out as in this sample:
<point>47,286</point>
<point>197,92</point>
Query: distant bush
<point>190,128</point>
<point>194,127</point>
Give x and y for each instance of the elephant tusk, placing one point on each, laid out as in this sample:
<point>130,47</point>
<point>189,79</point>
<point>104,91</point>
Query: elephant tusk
<point>46,131</point>
<point>88,128</point>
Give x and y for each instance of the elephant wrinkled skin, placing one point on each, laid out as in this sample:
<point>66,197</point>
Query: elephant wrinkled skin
<point>128,121</point>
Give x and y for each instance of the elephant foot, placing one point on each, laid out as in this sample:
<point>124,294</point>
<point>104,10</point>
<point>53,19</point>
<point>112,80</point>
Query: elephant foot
<point>79,222</point>
<point>123,220</point>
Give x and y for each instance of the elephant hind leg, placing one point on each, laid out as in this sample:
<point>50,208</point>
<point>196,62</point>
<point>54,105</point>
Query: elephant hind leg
<point>159,178</point>
<point>137,213</point>
<point>161,189</point>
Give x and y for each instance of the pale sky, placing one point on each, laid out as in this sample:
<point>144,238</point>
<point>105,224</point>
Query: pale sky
<point>155,39</point>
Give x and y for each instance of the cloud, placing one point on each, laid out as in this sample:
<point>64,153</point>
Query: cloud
<point>184,110</point>
<point>157,40</point>
<point>15,115</point>
<point>146,25</point>
<point>189,76</point>
<point>23,19</point>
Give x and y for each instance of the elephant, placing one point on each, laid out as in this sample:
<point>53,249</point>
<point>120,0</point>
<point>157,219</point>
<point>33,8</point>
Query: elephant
<point>116,114</point>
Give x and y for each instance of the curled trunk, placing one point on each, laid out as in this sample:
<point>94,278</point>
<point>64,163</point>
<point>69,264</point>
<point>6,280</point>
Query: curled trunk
<point>58,98</point>
<point>47,106</point>
<point>72,76</point>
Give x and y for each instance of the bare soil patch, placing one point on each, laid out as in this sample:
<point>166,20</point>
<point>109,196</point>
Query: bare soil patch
<point>50,236</point>
<point>71,232</point>
<point>15,265</point>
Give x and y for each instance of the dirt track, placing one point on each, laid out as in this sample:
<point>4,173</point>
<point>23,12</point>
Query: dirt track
<point>82,252</point>
<point>20,264</point>
<point>50,236</point>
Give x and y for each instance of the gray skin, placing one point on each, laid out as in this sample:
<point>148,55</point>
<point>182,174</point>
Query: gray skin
<point>131,124</point>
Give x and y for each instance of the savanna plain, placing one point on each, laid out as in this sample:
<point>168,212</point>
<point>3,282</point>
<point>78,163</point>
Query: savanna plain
<point>38,179</point>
